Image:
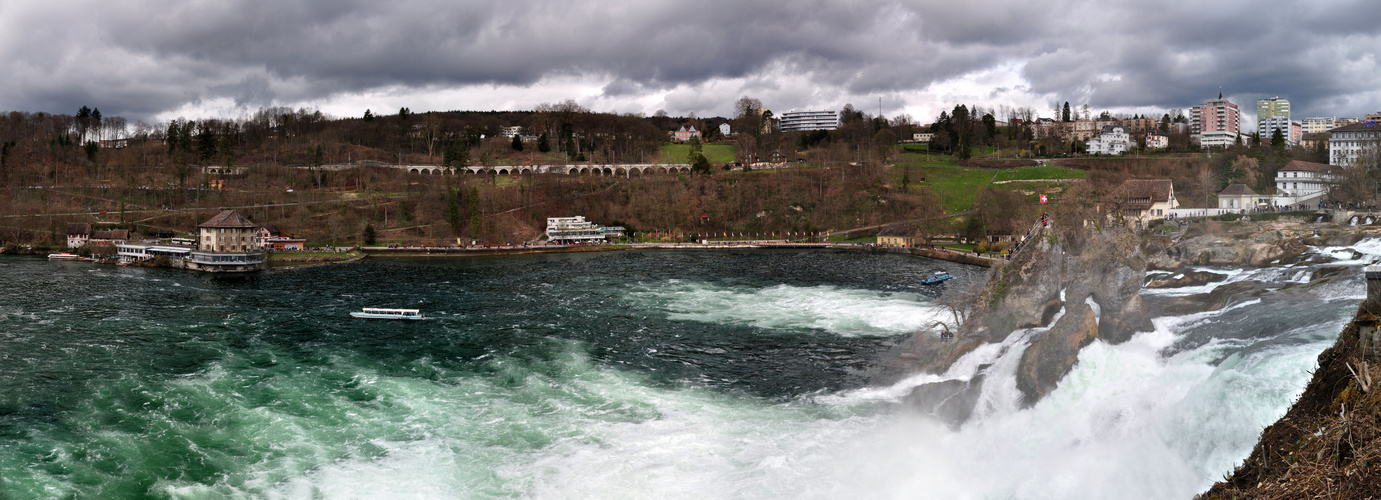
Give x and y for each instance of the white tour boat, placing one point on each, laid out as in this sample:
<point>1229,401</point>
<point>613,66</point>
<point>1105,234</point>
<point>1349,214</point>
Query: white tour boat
<point>384,313</point>
<point>64,256</point>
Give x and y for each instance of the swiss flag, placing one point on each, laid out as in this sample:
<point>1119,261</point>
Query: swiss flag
<point>1043,199</point>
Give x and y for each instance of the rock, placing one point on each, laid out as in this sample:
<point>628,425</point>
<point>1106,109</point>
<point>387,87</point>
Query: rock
<point>1193,278</point>
<point>1050,357</point>
<point>1214,300</point>
<point>950,401</point>
<point>1325,274</point>
<point>1119,325</point>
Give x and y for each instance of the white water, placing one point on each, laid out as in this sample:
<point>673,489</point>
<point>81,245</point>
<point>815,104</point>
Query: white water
<point>845,312</point>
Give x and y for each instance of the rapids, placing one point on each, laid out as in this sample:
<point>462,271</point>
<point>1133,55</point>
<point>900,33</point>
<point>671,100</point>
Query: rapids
<point>609,375</point>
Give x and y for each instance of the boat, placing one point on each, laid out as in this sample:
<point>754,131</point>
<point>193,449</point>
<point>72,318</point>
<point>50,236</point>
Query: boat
<point>64,256</point>
<point>936,278</point>
<point>386,313</point>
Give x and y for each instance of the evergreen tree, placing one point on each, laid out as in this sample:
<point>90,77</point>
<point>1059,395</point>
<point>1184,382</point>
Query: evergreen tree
<point>206,142</point>
<point>474,209</point>
<point>1065,117</point>
<point>517,143</point>
<point>543,145</point>
<point>369,234</point>
<point>1277,139</point>
<point>453,209</point>
<point>456,154</point>
<point>368,115</point>
<point>404,113</point>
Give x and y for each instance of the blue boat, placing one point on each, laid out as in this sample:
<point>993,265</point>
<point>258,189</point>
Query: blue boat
<point>382,313</point>
<point>936,278</point>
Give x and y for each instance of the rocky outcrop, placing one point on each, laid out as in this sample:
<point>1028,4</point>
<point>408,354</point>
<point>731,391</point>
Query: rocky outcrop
<point>1051,356</point>
<point>1243,249</point>
<point>1192,278</point>
<point>1214,300</point>
<point>1104,268</point>
<point>950,401</point>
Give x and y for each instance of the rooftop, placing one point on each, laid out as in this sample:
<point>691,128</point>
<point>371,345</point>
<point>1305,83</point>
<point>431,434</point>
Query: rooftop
<point>229,219</point>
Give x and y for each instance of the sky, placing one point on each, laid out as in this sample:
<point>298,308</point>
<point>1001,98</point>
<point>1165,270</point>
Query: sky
<point>159,60</point>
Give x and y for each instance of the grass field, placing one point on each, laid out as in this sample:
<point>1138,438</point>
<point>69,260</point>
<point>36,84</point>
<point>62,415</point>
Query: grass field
<point>956,187</point>
<point>716,153</point>
<point>1040,172</point>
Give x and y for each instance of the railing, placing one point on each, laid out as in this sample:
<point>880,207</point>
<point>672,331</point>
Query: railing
<point>228,259</point>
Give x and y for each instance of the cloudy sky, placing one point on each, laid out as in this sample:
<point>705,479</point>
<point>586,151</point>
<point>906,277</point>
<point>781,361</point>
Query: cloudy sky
<point>157,60</point>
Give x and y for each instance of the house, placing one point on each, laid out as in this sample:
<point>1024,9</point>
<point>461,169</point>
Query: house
<point>109,237</point>
<point>924,137</point>
<point>272,239</point>
<point>1305,183</point>
<point>685,134</point>
<point>77,234</point>
<point>1352,143</point>
<point>1113,140</point>
<point>509,132</point>
<point>1238,197</point>
<point>897,235</point>
<point>228,242</point>
<point>1157,141</point>
<point>725,130</point>
<point>1144,200</point>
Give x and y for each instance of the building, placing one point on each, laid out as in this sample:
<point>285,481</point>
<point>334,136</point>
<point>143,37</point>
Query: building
<point>685,133</point>
<point>1271,114</point>
<point>271,239</point>
<point>1296,133</point>
<point>1114,140</point>
<point>1318,124</point>
<point>77,234</point>
<point>108,237</point>
<point>809,120</point>
<point>1144,200</point>
<point>228,242</point>
<point>132,252</point>
<point>1351,143</point>
<point>1305,183</point>
<point>578,230</point>
<point>1157,141</point>
<point>1315,139</point>
<point>897,235</point>
<point>725,130</point>
<point>922,137</point>
<point>1217,123</point>
<point>509,132</point>
<point>1238,197</point>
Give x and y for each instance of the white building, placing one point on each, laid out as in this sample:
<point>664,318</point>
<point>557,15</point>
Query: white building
<point>1144,200</point>
<point>1316,124</point>
<point>509,132</point>
<point>725,130</point>
<point>1238,197</point>
<point>1350,143</point>
<point>1305,183</point>
<point>1114,140</point>
<point>809,120</point>
<point>922,136</point>
<point>578,230</point>
<point>1157,141</point>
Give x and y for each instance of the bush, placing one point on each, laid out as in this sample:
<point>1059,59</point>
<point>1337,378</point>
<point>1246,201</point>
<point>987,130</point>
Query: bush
<point>981,247</point>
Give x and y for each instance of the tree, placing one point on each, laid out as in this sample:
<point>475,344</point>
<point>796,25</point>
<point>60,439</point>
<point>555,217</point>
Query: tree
<point>456,154</point>
<point>701,165</point>
<point>1277,139</point>
<point>404,113</point>
<point>368,115</point>
<point>206,142</point>
<point>517,144</point>
<point>369,234</point>
<point>883,142</point>
<point>543,144</point>
<point>1065,117</point>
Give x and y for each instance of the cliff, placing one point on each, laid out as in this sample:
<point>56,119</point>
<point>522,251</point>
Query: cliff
<point>1328,445</point>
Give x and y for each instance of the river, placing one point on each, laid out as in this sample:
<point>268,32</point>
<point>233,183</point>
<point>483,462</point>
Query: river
<point>695,374</point>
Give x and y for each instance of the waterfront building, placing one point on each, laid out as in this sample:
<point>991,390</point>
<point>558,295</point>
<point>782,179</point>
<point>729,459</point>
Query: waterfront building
<point>77,234</point>
<point>1305,183</point>
<point>137,252</point>
<point>809,120</point>
<point>1217,123</point>
<point>1318,124</point>
<point>897,235</point>
<point>1271,114</point>
<point>1114,140</point>
<point>578,230</point>
<point>228,242</point>
<point>1351,143</point>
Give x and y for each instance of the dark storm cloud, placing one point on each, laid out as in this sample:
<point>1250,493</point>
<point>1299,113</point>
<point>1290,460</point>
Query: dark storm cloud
<point>145,58</point>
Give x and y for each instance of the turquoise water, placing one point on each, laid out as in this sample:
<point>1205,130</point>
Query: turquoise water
<point>611,375</point>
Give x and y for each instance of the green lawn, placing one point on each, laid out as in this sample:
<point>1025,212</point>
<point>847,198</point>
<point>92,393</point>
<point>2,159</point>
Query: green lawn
<point>1040,172</point>
<point>716,153</point>
<point>955,186</point>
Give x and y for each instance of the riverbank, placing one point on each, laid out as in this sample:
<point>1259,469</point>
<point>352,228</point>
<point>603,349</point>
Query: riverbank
<point>939,254</point>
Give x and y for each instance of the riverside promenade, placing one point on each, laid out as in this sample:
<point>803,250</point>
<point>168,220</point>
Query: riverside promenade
<point>494,250</point>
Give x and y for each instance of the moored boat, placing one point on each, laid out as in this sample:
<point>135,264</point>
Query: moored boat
<point>387,313</point>
<point>64,256</point>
